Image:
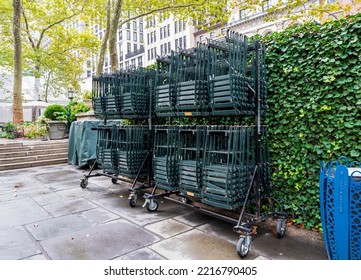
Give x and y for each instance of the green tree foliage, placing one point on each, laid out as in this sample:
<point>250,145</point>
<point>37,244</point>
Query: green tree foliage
<point>58,40</point>
<point>6,39</point>
<point>314,82</point>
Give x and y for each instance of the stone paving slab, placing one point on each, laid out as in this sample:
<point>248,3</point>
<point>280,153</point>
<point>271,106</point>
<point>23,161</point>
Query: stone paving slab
<point>20,212</point>
<point>59,226</point>
<point>168,228</point>
<point>196,245</point>
<point>118,203</point>
<point>69,207</point>
<point>141,254</point>
<point>16,244</point>
<point>101,242</point>
<point>100,215</point>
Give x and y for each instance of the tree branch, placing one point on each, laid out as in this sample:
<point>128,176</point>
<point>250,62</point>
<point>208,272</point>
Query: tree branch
<point>27,29</point>
<point>42,34</point>
<point>163,9</point>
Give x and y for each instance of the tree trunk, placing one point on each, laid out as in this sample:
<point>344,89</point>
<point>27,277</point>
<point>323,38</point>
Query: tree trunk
<point>113,36</point>
<point>18,116</point>
<point>103,47</point>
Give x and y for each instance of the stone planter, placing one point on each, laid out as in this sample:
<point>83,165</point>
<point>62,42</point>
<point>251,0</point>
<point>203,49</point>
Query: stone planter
<point>88,103</point>
<point>56,130</point>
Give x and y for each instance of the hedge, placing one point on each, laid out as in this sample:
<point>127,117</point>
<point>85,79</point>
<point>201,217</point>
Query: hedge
<point>314,95</point>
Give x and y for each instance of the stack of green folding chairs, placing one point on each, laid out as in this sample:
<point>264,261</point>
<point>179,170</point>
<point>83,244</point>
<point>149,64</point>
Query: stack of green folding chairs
<point>191,81</point>
<point>135,93</point>
<point>165,87</point>
<point>229,77</point>
<point>227,166</point>
<point>191,141</point>
<point>132,150</point>
<point>165,159</point>
<point>107,148</point>
<point>123,94</point>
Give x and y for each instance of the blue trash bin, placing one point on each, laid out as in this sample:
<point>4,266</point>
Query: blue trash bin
<point>340,201</point>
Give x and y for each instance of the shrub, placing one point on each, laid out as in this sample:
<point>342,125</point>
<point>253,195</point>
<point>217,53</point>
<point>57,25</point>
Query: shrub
<point>55,112</point>
<point>9,131</point>
<point>75,108</point>
<point>34,130</point>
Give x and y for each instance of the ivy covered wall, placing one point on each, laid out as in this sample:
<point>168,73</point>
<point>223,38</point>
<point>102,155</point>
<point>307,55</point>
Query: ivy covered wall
<point>314,94</point>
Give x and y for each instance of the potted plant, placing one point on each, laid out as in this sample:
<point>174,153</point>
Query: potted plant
<point>56,120</point>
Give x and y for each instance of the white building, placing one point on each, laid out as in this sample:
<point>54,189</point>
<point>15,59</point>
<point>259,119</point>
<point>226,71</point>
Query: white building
<point>140,42</point>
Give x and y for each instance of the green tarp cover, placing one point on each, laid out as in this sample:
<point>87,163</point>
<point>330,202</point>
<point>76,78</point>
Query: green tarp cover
<point>82,142</point>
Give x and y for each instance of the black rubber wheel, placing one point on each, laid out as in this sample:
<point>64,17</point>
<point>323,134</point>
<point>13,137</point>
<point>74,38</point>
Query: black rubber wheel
<point>186,200</point>
<point>114,181</point>
<point>84,183</point>
<point>133,202</point>
<point>242,247</point>
<point>152,205</point>
<point>280,228</point>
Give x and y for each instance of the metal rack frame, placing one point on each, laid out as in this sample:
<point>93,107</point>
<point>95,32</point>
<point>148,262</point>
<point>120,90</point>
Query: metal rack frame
<point>233,65</point>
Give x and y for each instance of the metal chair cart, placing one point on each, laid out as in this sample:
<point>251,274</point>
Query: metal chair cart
<point>123,150</point>
<point>218,170</point>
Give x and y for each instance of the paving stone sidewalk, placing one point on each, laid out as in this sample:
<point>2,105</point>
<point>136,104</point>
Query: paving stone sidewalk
<point>44,214</point>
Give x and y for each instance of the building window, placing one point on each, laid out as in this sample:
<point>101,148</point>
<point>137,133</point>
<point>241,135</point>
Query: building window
<point>185,42</point>
<point>148,54</point>
<point>152,53</point>
<point>160,33</point>
<point>133,62</point>
<point>141,39</point>
<point>135,47</point>
<point>88,73</point>
<point>121,65</point>
<point>176,44</point>
<point>140,61</point>
<point>127,65</point>
<point>129,46</point>
<point>134,25</point>
<point>184,25</point>
<point>155,52</point>
<point>120,35</point>
<point>242,14</point>
<point>161,50</point>
<point>155,36</point>
<point>128,35</point>
<point>151,37</point>
<point>169,47</point>
<point>141,26</point>
<point>128,25</point>
<point>134,36</point>
<point>165,48</point>
<point>176,27</point>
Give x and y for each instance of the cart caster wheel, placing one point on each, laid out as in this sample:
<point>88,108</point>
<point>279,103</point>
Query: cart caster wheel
<point>133,202</point>
<point>280,228</point>
<point>84,183</point>
<point>114,181</point>
<point>185,200</point>
<point>243,245</point>
<point>152,205</point>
